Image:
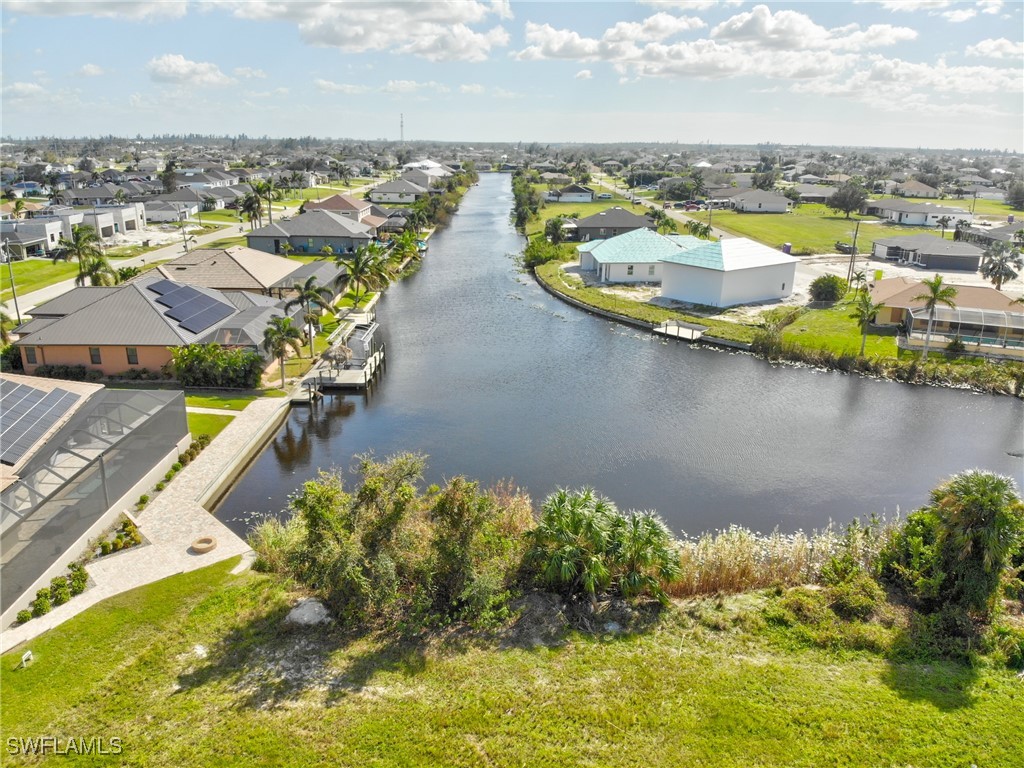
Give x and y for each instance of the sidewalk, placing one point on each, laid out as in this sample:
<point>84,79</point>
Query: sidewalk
<point>173,520</point>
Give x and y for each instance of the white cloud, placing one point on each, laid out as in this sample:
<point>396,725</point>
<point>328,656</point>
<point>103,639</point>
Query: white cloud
<point>90,70</point>
<point>128,9</point>
<point>17,91</point>
<point>686,5</point>
<point>175,68</point>
<point>502,93</point>
<point>656,27</point>
<point>910,5</point>
<point>438,31</point>
<point>1000,48</point>
<point>959,15</point>
<point>792,30</point>
<point>328,86</point>
<point>474,88</point>
<point>249,72</point>
<point>990,6</point>
<point>412,86</point>
<point>584,74</point>
<point>271,94</point>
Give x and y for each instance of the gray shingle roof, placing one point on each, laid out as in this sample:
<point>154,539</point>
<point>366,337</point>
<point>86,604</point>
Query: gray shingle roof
<point>616,217</point>
<point>930,244</point>
<point>316,224</point>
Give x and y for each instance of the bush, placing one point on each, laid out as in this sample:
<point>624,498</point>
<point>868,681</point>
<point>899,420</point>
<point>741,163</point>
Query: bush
<point>828,288</point>
<point>858,597</point>
<point>1006,643</point>
<point>159,486</point>
<point>955,348</point>
<point>176,466</point>
<point>41,605</point>
<point>60,591</point>
<point>104,547</point>
<point>210,365</point>
<point>10,359</point>
<point>24,616</point>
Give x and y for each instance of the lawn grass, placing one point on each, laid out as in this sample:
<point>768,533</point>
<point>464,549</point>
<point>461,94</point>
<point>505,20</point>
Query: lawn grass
<point>228,399</point>
<point>981,206</point>
<point>34,274</point>
<point>834,329</point>
<point>810,228</point>
<point>188,671</point>
<point>227,242</point>
<point>207,423</point>
<point>582,210</point>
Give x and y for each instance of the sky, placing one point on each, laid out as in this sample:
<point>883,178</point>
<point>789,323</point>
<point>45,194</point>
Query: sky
<point>898,73</point>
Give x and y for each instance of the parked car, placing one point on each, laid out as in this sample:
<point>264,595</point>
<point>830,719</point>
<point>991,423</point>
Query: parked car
<point>844,247</point>
<point>678,205</point>
<point>604,196</point>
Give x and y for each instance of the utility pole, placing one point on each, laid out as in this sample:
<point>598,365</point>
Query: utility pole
<point>853,254</point>
<point>6,250</point>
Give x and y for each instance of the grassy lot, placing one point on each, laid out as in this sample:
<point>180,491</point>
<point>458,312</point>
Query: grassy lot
<point>550,210</point>
<point>196,670</point>
<point>981,206</point>
<point>33,274</point>
<point>228,399</point>
<point>227,242</point>
<point>811,228</point>
<point>207,423</point>
<point>834,329</point>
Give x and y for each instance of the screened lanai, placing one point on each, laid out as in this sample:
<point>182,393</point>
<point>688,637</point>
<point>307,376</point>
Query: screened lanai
<point>984,327</point>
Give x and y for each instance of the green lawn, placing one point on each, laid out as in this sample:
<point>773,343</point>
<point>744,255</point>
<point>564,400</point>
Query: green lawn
<point>550,210</point>
<point>834,329</point>
<point>33,274</point>
<point>811,228</point>
<point>207,424</point>
<point>981,206</point>
<point>227,242</point>
<point>228,399</point>
<point>197,670</point>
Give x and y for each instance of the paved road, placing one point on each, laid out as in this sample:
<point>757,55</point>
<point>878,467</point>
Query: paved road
<point>35,298</point>
<point>673,213</point>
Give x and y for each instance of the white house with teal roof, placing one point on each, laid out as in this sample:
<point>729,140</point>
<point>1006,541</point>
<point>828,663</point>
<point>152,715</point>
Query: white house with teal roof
<point>632,257</point>
<point>728,272</point>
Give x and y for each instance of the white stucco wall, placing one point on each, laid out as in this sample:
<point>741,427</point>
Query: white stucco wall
<point>619,273</point>
<point>726,289</point>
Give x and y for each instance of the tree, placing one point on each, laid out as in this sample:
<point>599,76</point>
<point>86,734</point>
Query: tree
<point>698,229</point>
<point>1000,263</point>
<point>553,230</point>
<point>266,190</point>
<point>82,246</point>
<point>168,177</point>
<point>828,288</point>
<point>864,311</point>
<point>936,294</point>
<point>251,207</point>
<point>345,175</point>
<point>859,280</point>
<point>405,246</point>
<point>18,208</point>
<point>121,197</point>
<point>279,336</point>
<point>367,270</point>
<point>847,199</point>
<point>306,295</point>
<point>765,180</point>
<point>943,222</point>
<point>1015,195</point>
<point>5,328</point>
<point>96,270</point>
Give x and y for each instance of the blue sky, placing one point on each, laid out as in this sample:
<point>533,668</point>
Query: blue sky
<point>928,73</point>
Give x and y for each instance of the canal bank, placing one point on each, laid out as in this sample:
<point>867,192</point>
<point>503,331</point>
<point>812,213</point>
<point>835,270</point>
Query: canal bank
<point>494,378</point>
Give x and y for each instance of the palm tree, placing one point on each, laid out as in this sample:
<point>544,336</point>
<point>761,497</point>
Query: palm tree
<point>287,249</point>
<point>864,311</point>
<point>82,246</point>
<point>943,222</point>
<point>96,271</point>
<point>1001,263</point>
<point>367,270</point>
<point>306,295</point>
<point>327,250</point>
<point>252,207</point>
<point>279,336</point>
<point>405,246</point>
<point>269,191</point>
<point>120,196</point>
<point>1018,238</point>
<point>698,229</point>
<point>345,175</point>
<point>18,208</point>
<point>936,294</point>
<point>5,333</point>
<point>859,279</point>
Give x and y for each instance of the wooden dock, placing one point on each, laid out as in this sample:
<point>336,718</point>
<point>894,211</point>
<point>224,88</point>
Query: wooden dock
<point>677,329</point>
<point>358,377</point>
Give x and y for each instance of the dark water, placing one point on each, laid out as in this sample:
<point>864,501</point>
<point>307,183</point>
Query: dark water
<point>495,379</point>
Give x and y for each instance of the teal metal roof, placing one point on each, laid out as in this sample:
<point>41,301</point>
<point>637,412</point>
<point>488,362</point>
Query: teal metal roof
<point>641,246</point>
<point>730,254</point>
<point>707,255</point>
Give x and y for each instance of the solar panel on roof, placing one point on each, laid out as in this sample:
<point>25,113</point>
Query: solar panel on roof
<point>208,317</point>
<point>191,307</point>
<point>162,286</point>
<point>179,295</point>
<point>30,418</point>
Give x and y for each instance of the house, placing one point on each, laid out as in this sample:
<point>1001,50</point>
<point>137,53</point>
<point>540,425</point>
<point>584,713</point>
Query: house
<point>398,191</point>
<point>23,238</point>
<point>573,193</point>
<point>73,457</point>
<point>230,269</point>
<point>153,315</point>
<point>916,214</point>
<point>760,201</point>
<point>311,232</point>
<point>164,210</point>
<point>987,321</point>
<point>836,179</point>
<point>611,222</point>
<point>728,272</point>
<point>928,251</point>
<point>985,237</point>
<point>632,257</point>
<point>361,211</point>
<point>914,188</point>
<point>814,193</point>
<point>555,178</point>
<point>427,177</point>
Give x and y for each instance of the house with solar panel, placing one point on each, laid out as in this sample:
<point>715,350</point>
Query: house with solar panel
<point>72,457</point>
<point>134,326</point>
<point>728,272</point>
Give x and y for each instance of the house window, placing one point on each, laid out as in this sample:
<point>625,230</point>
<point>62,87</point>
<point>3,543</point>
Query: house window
<point>30,355</point>
<point>629,269</point>
<point>94,355</point>
<point>783,286</point>
<point>650,270</point>
<point>133,354</point>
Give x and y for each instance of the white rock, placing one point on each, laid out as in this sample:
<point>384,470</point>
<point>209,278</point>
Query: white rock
<point>613,627</point>
<point>308,612</point>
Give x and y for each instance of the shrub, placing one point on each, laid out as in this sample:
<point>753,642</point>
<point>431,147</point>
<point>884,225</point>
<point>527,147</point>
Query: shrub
<point>41,605</point>
<point>60,591</point>
<point>1006,643</point>
<point>159,486</point>
<point>10,359</point>
<point>176,466</point>
<point>24,616</point>
<point>857,597</point>
<point>168,475</point>
<point>210,365</point>
<point>828,288</point>
<point>955,348</point>
<point>104,547</point>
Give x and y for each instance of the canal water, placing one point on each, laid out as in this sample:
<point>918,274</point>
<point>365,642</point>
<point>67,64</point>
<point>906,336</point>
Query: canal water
<point>493,379</point>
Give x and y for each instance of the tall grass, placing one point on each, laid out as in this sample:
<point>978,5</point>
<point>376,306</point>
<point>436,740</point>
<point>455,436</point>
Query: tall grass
<point>738,559</point>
